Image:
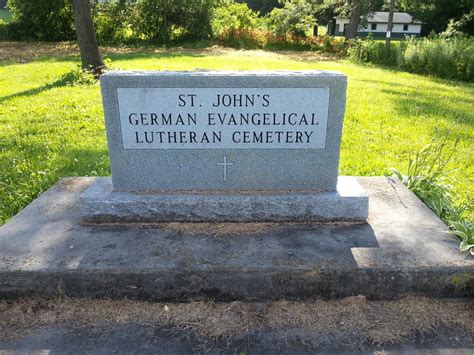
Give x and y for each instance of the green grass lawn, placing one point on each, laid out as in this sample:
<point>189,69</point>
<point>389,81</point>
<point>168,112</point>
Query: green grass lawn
<point>49,131</point>
<point>5,15</point>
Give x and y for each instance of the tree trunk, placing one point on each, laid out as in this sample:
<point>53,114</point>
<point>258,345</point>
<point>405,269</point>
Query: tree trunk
<point>351,31</point>
<point>390,23</point>
<point>90,55</point>
<point>333,25</point>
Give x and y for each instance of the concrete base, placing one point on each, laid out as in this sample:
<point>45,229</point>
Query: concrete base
<point>100,204</point>
<point>404,248</point>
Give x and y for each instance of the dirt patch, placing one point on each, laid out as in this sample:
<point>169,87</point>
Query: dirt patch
<point>373,322</point>
<point>25,52</point>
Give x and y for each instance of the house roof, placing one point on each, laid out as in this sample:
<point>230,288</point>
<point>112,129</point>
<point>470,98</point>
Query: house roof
<point>398,17</point>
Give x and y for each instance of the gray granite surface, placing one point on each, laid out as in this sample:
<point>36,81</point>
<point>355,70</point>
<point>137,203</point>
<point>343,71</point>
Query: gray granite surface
<point>101,204</point>
<point>300,168</point>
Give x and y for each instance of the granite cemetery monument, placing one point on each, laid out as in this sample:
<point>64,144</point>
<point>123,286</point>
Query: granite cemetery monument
<point>218,148</point>
<point>224,146</point>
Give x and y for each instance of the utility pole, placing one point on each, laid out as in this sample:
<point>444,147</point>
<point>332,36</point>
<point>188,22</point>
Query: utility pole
<point>390,24</point>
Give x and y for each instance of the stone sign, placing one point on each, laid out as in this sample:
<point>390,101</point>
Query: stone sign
<point>224,146</point>
<point>224,131</point>
<point>223,118</point>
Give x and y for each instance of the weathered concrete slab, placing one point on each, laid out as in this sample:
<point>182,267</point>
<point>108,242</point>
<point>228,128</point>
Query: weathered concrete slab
<point>404,248</point>
<point>101,204</point>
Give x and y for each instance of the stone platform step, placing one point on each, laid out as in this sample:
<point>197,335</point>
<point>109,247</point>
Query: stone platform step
<point>100,204</point>
<point>404,248</point>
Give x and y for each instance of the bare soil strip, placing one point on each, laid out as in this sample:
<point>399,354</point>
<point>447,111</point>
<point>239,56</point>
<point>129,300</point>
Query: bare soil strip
<point>25,52</point>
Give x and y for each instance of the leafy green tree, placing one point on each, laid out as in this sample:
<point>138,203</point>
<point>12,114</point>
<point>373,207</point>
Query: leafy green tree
<point>262,6</point>
<point>436,14</point>
<point>296,17</point>
<point>463,26</point>
<point>233,16</point>
<point>324,11</point>
<point>112,21</point>
<point>45,20</point>
<point>155,20</point>
<point>357,11</point>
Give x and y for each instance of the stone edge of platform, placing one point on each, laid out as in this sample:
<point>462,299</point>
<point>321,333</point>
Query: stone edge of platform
<point>100,204</point>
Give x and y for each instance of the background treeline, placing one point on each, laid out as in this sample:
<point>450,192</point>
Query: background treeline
<point>164,21</point>
<point>285,25</point>
<point>116,22</point>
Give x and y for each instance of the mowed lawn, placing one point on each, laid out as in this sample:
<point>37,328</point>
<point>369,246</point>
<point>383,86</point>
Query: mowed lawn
<point>49,131</point>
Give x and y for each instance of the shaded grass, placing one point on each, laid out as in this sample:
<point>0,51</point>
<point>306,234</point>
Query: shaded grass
<point>313,322</point>
<point>48,130</point>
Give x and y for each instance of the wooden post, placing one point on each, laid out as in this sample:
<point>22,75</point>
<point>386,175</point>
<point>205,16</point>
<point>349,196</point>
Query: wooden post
<point>389,24</point>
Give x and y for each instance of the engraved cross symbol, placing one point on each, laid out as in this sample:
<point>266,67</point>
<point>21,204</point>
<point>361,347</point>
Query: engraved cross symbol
<point>225,164</point>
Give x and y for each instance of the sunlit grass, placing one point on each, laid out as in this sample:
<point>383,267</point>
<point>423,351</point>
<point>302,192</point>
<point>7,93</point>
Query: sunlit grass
<point>48,131</point>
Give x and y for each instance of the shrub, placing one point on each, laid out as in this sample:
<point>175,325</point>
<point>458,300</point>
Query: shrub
<point>45,20</point>
<point>160,21</point>
<point>295,18</point>
<point>248,39</point>
<point>236,25</point>
<point>112,21</point>
<point>447,58</point>
<point>326,44</point>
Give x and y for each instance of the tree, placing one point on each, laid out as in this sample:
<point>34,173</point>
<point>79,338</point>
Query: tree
<point>353,26</point>
<point>90,54</point>
<point>436,14</point>
<point>295,18</point>
<point>45,20</point>
<point>262,6</point>
<point>391,9</point>
<point>360,11</point>
<point>357,11</point>
<point>326,10</point>
<point>158,21</point>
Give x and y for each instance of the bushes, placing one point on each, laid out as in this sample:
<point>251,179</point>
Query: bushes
<point>295,18</point>
<point>116,22</point>
<point>236,25</point>
<point>160,21</point>
<point>45,20</point>
<point>447,58</point>
<point>111,21</point>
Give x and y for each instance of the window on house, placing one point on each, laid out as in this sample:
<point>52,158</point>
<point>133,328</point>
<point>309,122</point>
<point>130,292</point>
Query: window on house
<point>405,27</point>
<point>373,26</point>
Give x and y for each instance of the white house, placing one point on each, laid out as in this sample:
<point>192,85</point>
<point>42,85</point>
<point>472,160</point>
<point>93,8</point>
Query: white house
<point>377,23</point>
